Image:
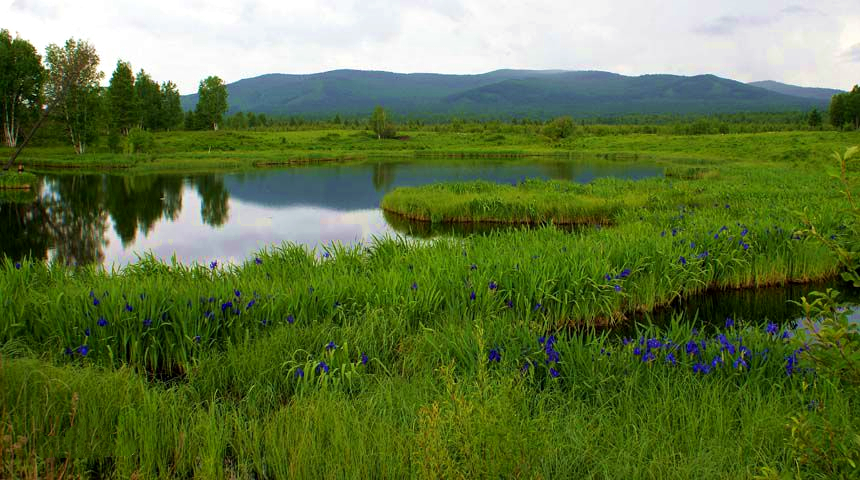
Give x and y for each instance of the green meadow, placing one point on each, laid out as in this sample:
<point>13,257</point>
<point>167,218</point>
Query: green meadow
<point>510,354</point>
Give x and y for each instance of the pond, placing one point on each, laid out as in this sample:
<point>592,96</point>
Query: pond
<point>112,219</point>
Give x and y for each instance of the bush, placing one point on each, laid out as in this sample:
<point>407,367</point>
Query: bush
<point>139,141</point>
<point>561,127</point>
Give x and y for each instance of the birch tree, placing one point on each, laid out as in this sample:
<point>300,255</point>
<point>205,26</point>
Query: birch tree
<point>21,79</point>
<point>73,89</point>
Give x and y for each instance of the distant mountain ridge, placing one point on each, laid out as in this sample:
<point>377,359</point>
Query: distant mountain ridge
<point>503,94</point>
<point>823,94</point>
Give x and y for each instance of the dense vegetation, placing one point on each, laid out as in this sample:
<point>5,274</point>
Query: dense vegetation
<point>474,357</point>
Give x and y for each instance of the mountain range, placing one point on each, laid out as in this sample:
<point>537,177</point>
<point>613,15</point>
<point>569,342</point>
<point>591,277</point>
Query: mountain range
<point>510,94</point>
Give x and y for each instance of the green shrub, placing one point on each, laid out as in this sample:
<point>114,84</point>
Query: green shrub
<point>139,141</point>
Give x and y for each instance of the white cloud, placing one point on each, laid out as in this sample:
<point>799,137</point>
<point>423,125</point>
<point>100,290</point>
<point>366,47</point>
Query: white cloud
<point>185,41</point>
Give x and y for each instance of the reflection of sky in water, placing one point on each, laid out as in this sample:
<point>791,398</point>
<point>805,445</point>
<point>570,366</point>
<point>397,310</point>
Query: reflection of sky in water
<point>250,228</point>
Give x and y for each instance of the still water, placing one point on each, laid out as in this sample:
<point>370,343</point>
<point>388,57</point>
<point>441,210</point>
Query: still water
<point>112,219</point>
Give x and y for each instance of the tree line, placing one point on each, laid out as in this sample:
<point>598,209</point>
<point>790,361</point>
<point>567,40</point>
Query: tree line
<point>65,87</point>
<point>845,110</point>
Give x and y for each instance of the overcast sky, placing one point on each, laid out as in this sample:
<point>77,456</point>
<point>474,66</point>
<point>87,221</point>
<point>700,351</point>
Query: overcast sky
<point>811,43</point>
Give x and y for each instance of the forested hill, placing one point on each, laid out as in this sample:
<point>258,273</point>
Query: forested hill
<point>823,94</point>
<point>501,94</point>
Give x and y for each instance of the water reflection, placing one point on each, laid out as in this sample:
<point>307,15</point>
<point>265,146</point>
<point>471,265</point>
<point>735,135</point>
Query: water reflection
<point>111,219</point>
<point>771,303</point>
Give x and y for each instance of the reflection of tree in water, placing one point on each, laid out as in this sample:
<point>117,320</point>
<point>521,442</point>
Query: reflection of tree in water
<point>69,215</point>
<point>75,218</point>
<point>383,175</point>
<point>558,170</point>
<point>24,229</point>
<point>66,217</point>
<point>139,202</point>
<point>215,208</point>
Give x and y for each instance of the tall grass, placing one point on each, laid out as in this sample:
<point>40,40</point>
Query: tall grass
<point>438,405</point>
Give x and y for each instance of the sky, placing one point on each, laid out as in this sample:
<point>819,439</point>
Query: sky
<point>809,43</point>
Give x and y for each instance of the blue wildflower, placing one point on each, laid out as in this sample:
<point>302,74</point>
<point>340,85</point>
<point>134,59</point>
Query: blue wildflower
<point>617,288</point>
<point>653,343</point>
<point>330,346</point>
<point>729,322</point>
<point>649,356</point>
<point>740,362</point>
<point>213,265</point>
<point>87,332</point>
<point>251,304</point>
<point>683,260</point>
<point>472,295</point>
<point>322,366</point>
<point>326,255</point>
<point>674,232</point>
<point>772,328</point>
<point>744,232</point>
<point>237,293</point>
<point>147,323</point>
<point>17,265</point>
<point>702,255</point>
<point>226,305</point>
<point>258,261</point>
<point>493,285</point>
<point>786,334</point>
<point>746,246</point>
<point>510,303</point>
<point>473,267</point>
<point>702,368</point>
<point>670,358</point>
<point>128,308</point>
<point>363,358</point>
<point>692,245</point>
<point>608,277</point>
<point>68,351</point>
<point>414,285</point>
<point>300,373</point>
<point>537,307</point>
<point>554,373</point>
<point>96,302</point>
<point>625,273</point>
<point>626,341</point>
<point>83,350</point>
<point>494,356</point>
<point>663,233</point>
<point>637,351</point>
<point>196,338</point>
<point>290,319</point>
<point>102,322</point>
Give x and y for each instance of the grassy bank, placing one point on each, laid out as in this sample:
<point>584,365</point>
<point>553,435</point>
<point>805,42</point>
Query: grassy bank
<point>231,150</point>
<point>16,181</point>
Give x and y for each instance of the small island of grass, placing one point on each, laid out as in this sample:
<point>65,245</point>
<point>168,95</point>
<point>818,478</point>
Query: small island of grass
<point>530,201</point>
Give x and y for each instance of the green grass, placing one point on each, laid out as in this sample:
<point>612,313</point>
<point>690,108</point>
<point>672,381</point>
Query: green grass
<point>16,181</point>
<point>238,150</point>
<point>432,406</point>
<point>529,202</point>
<point>177,383</point>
